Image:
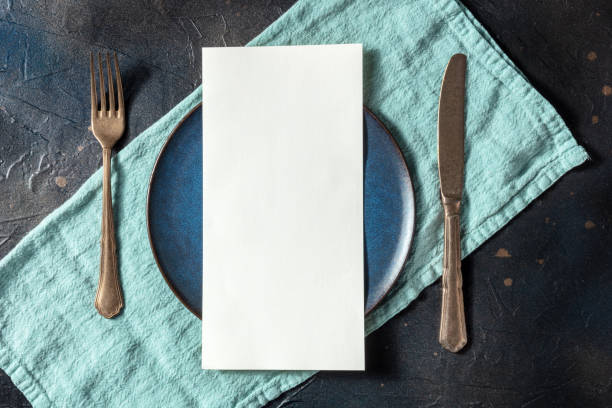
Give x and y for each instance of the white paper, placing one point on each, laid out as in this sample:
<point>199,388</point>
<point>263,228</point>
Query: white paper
<point>283,283</point>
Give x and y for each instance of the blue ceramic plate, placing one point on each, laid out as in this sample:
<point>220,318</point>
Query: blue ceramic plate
<point>174,211</point>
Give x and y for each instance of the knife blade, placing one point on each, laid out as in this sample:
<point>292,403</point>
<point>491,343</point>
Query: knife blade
<point>453,335</point>
<point>450,128</point>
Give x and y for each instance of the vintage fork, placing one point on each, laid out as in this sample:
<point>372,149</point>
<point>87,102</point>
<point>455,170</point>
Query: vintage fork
<point>107,125</point>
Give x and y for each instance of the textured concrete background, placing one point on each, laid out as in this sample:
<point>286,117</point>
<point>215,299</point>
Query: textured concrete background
<point>537,294</point>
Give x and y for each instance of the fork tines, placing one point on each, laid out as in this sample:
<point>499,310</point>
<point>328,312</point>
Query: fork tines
<point>110,109</point>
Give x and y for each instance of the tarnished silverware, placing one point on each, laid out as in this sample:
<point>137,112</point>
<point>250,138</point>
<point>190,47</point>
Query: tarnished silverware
<point>107,125</point>
<point>453,334</point>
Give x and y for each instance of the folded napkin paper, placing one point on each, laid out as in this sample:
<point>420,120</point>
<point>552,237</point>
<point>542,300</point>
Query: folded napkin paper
<point>282,223</point>
<point>60,352</point>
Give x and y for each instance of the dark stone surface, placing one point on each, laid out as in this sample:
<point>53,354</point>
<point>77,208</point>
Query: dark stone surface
<point>541,339</point>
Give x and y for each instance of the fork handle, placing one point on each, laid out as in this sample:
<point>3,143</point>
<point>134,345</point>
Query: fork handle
<point>109,300</point>
<point>452,323</point>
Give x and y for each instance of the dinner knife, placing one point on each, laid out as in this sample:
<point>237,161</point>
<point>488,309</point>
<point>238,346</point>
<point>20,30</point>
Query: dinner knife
<point>450,169</point>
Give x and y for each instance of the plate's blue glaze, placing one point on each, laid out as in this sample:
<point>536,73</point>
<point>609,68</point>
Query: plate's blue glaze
<point>175,211</point>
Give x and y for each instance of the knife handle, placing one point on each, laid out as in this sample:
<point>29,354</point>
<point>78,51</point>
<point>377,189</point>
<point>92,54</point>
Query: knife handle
<point>452,323</point>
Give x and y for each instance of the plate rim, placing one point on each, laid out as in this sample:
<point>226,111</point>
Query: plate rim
<point>178,295</point>
<point>411,232</point>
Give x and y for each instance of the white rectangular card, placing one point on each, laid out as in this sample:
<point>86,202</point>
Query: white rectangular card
<point>283,283</point>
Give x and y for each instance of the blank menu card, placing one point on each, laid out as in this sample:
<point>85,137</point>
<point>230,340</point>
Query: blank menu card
<point>283,283</point>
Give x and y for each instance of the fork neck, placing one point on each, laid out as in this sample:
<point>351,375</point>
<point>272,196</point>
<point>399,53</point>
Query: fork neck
<point>106,154</point>
<point>106,160</point>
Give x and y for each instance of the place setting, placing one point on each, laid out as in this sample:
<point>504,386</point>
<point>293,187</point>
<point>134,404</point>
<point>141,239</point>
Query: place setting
<point>307,191</point>
<point>301,206</point>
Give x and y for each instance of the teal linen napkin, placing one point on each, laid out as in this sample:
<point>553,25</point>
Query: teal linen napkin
<point>60,352</point>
